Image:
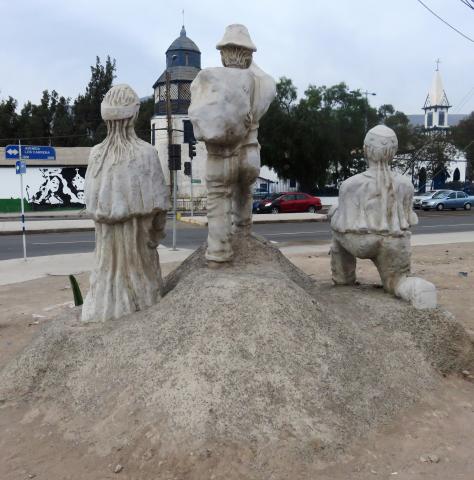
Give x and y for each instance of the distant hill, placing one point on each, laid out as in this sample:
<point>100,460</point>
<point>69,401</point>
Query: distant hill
<point>454,119</point>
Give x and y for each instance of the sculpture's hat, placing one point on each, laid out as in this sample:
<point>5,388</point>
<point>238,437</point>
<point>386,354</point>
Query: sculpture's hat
<point>119,103</point>
<point>381,135</point>
<point>236,35</point>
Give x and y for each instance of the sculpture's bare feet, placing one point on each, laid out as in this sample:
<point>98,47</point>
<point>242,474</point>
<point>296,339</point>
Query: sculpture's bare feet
<point>420,293</point>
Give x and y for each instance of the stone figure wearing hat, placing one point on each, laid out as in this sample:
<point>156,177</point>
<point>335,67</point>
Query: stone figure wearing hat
<point>227,104</point>
<point>373,219</point>
<point>126,195</point>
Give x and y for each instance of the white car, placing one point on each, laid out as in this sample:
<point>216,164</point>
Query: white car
<point>418,198</point>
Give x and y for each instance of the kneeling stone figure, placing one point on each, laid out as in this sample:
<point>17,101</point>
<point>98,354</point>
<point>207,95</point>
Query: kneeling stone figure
<point>372,220</point>
<point>126,196</point>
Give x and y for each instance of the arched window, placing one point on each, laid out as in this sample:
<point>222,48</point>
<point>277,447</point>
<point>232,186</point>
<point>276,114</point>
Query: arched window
<point>422,180</point>
<point>441,118</point>
<point>429,119</point>
<point>456,175</point>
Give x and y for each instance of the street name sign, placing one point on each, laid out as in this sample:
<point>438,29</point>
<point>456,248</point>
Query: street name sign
<point>30,152</point>
<point>20,167</point>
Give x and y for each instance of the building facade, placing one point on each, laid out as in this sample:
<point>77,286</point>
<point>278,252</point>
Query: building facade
<point>183,63</point>
<point>47,183</point>
<point>437,121</point>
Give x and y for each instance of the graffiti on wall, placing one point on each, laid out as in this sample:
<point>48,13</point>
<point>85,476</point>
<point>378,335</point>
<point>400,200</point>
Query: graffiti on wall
<point>59,186</point>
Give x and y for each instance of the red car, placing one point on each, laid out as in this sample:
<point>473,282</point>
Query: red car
<point>289,202</point>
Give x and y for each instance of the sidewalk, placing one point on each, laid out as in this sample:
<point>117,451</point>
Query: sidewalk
<point>47,226</point>
<point>46,214</point>
<point>81,224</point>
<point>17,270</point>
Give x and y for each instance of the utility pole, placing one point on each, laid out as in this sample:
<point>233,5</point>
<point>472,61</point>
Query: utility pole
<point>367,93</point>
<point>22,203</point>
<point>173,173</point>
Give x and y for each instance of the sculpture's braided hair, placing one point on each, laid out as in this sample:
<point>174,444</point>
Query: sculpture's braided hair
<point>121,139</point>
<point>380,146</point>
<point>236,57</point>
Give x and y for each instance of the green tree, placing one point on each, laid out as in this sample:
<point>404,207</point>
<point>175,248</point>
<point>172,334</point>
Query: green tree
<point>36,121</point>
<point>63,124</point>
<point>142,125</point>
<point>399,123</point>
<point>87,118</point>
<point>317,139</point>
<point>8,121</point>
<point>278,130</point>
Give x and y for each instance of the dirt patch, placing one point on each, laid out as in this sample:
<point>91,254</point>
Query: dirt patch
<point>450,267</point>
<point>440,426</point>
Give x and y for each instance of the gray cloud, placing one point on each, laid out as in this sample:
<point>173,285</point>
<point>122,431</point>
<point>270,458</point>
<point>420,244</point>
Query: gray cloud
<point>386,47</point>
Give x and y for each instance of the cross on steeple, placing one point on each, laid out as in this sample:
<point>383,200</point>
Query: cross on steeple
<point>438,61</point>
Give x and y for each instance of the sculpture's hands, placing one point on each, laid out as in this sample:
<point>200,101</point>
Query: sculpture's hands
<point>157,231</point>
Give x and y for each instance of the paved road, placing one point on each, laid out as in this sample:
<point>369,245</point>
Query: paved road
<point>191,236</point>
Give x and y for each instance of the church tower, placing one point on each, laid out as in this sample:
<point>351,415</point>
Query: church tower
<point>183,62</point>
<point>436,105</point>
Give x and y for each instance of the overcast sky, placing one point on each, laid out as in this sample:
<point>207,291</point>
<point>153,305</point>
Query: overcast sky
<point>387,47</point>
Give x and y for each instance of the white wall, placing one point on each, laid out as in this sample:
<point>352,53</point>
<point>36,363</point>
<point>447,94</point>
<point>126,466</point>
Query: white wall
<point>51,181</point>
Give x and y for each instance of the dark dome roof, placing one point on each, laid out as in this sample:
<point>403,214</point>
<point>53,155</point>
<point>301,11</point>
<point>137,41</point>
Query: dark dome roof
<point>183,43</point>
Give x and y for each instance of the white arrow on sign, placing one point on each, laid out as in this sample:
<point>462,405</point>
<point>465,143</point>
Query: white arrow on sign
<point>12,151</point>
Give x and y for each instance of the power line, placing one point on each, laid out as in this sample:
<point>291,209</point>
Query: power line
<point>464,99</point>
<point>468,4</point>
<point>445,22</point>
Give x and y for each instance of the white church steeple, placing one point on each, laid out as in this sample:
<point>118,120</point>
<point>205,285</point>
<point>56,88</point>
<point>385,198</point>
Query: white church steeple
<point>436,104</point>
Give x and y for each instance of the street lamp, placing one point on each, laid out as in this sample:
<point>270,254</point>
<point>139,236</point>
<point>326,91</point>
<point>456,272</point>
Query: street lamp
<point>367,93</point>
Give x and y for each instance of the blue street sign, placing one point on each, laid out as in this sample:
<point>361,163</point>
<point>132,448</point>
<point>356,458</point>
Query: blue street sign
<point>30,152</point>
<point>20,167</point>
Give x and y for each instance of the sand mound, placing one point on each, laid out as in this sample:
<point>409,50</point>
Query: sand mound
<point>244,370</point>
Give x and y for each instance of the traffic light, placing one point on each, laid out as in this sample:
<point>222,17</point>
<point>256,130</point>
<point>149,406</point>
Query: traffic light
<point>174,156</point>
<point>188,132</point>
<point>188,168</point>
<point>192,149</point>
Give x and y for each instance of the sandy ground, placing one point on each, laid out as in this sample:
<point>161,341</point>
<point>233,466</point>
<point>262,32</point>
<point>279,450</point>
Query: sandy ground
<point>434,440</point>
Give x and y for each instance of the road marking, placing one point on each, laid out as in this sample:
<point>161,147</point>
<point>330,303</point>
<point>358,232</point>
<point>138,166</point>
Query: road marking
<point>462,213</point>
<point>447,225</point>
<point>293,233</point>
<point>60,243</point>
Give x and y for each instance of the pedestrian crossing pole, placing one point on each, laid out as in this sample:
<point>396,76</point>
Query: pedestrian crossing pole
<point>22,202</point>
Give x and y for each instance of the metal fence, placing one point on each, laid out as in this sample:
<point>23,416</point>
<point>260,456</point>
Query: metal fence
<point>184,204</point>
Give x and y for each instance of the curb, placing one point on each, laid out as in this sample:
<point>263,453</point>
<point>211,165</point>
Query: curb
<point>48,230</point>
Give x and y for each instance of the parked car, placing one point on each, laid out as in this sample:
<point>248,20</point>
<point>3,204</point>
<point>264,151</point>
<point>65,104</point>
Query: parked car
<point>258,197</point>
<point>419,197</point>
<point>287,202</point>
<point>469,190</point>
<point>445,200</point>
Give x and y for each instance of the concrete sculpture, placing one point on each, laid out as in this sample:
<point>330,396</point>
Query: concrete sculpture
<point>126,196</point>
<point>227,104</point>
<point>372,221</point>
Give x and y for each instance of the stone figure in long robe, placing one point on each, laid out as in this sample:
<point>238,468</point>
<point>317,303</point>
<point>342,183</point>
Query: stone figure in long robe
<point>373,219</point>
<point>126,195</point>
<point>227,104</point>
